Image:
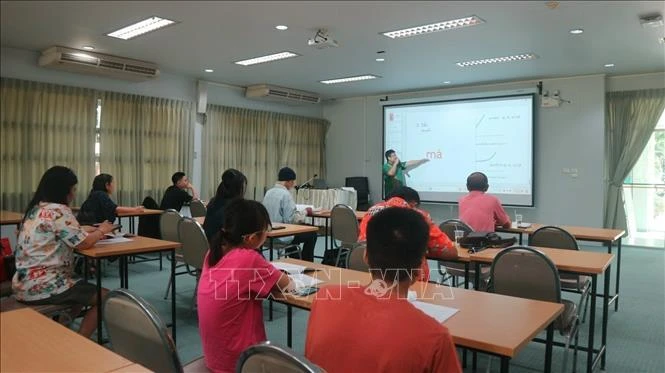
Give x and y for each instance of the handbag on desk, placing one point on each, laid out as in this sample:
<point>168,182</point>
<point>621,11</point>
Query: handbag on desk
<point>484,240</point>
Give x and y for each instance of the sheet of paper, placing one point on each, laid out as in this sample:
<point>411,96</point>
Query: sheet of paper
<point>108,241</point>
<point>435,311</point>
<point>302,281</point>
<point>289,268</point>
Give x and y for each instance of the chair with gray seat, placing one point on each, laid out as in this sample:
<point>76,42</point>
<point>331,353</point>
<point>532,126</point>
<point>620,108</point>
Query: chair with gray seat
<point>454,270</point>
<point>268,357</point>
<point>168,228</point>
<point>344,230</point>
<point>137,333</point>
<point>197,209</point>
<point>525,272</point>
<point>194,247</point>
<point>356,259</point>
<point>558,238</point>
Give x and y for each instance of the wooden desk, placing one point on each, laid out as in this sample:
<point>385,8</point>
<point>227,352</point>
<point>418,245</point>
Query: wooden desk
<point>514,321</point>
<point>603,235</point>
<point>582,263</point>
<point>10,217</point>
<point>32,342</point>
<point>138,245</point>
<point>134,368</point>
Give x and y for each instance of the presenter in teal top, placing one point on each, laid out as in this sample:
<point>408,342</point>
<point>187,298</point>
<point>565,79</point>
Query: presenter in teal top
<point>394,171</point>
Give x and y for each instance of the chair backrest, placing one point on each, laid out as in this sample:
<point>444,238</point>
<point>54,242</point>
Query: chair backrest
<point>355,259</point>
<point>137,333</point>
<point>525,272</point>
<point>451,225</point>
<point>551,236</point>
<point>194,242</point>
<point>197,209</point>
<point>168,225</point>
<point>361,185</point>
<point>149,224</point>
<point>344,224</point>
<point>268,357</point>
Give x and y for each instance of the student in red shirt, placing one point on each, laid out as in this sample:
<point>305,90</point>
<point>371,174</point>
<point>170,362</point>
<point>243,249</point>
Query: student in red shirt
<point>375,328</point>
<point>439,245</point>
<point>234,280</point>
<point>481,211</point>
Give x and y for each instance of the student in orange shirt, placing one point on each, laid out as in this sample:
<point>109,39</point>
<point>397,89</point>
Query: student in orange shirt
<point>375,328</point>
<point>439,245</point>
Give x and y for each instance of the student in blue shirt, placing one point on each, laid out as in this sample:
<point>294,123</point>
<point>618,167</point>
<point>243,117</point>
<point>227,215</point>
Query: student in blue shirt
<point>282,209</point>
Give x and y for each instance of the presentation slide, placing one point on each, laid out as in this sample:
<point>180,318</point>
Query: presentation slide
<point>490,135</point>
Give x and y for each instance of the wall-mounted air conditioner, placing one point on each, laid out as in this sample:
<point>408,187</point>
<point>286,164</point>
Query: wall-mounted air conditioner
<point>274,93</point>
<point>86,62</point>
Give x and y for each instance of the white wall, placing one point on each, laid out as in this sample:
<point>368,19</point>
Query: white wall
<point>635,82</point>
<point>570,136</point>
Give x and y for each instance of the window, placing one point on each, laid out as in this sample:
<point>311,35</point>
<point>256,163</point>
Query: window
<point>98,126</point>
<point>644,192</point>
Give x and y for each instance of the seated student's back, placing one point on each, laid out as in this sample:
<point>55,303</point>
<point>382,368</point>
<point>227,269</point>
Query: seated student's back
<point>375,328</point>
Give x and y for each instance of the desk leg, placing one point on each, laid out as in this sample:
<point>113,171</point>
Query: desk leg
<point>131,225</point>
<point>121,272</point>
<point>592,322</point>
<point>616,292</point>
<point>505,364</point>
<point>173,276</point>
<point>289,326</point>
<point>476,281</point>
<point>99,302</point>
<point>548,348</point>
<point>520,234</point>
<point>328,237</point>
<point>270,300</point>
<point>606,299</point>
<point>466,276</point>
<point>126,271</point>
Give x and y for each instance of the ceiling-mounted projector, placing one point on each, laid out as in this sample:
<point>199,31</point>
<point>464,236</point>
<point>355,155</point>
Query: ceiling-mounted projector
<point>322,40</point>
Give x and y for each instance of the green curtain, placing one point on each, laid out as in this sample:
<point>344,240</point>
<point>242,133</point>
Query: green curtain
<point>144,140</point>
<point>630,118</point>
<point>44,125</point>
<point>259,143</point>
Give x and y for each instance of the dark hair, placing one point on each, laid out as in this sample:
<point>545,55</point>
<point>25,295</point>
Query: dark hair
<point>233,185</point>
<point>405,193</point>
<point>396,243</point>
<point>477,181</point>
<point>389,152</point>
<point>241,217</point>
<point>100,181</point>
<point>177,176</point>
<point>54,187</point>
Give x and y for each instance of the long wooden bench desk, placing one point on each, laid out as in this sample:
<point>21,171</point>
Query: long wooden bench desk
<point>514,323</point>
<point>137,245</point>
<point>32,342</point>
<point>10,217</point>
<point>587,263</point>
<point>603,235</point>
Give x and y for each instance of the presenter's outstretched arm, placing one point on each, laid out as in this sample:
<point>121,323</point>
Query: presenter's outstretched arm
<point>410,165</point>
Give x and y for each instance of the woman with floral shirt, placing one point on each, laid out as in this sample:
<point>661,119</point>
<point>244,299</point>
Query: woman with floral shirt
<point>44,253</point>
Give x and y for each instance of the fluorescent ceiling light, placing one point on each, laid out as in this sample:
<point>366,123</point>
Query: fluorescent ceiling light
<point>141,27</point>
<point>208,70</point>
<point>268,58</point>
<point>282,27</point>
<point>380,59</point>
<point>88,47</point>
<point>517,57</point>
<point>349,79</point>
<point>609,65</point>
<point>434,27</point>
<point>446,82</point>
<point>576,31</point>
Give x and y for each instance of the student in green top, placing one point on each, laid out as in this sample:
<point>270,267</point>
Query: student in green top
<point>394,170</point>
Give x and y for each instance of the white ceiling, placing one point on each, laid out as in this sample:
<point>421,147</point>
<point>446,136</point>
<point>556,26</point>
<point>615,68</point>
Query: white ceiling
<point>214,34</point>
